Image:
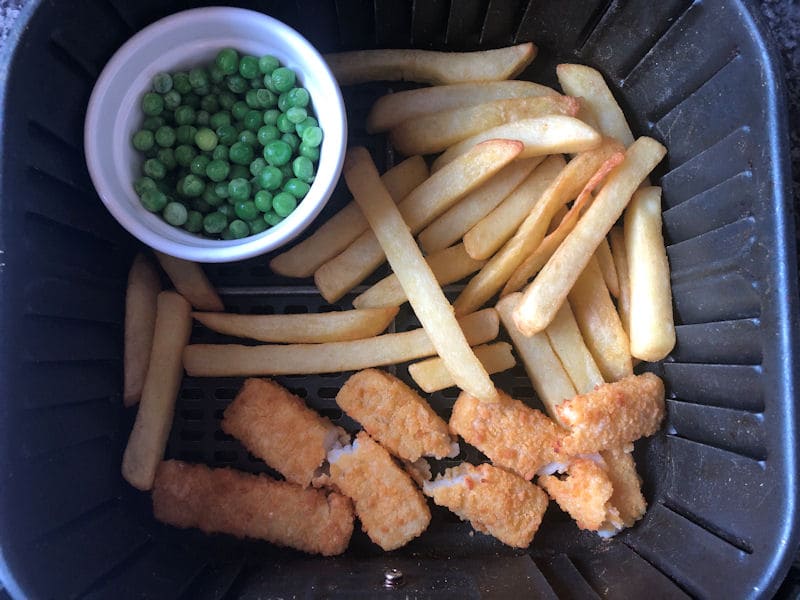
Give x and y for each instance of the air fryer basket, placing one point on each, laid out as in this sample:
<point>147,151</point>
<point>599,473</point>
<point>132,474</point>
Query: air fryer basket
<point>720,479</point>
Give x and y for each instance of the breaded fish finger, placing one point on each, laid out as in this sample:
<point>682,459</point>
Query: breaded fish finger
<point>395,415</point>
<point>493,500</point>
<point>391,508</point>
<point>278,427</point>
<point>255,506</point>
<point>613,414</point>
<point>513,435</point>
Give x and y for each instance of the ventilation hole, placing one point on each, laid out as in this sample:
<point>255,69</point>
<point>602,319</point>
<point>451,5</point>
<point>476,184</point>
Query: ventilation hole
<point>450,393</point>
<point>190,456</point>
<point>524,391</point>
<point>328,375</point>
<point>262,309</point>
<point>328,308</point>
<point>221,436</point>
<point>192,394</point>
<point>225,456</point>
<point>229,271</point>
<point>332,413</point>
<point>191,414</point>
<point>295,309</point>
<point>191,436</point>
<point>259,271</point>
<point>327,392</point>
<point>225,393</point>
<point>302,392</point>
<point>219,414</point>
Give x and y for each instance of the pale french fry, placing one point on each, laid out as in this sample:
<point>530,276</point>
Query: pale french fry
<point>556,220</point>
<point>568,344</point>
<point>452,225</point>
<point>432,133</point>
<point>448,266</point>
<point>652,330</point>
<point>304,328</point>
<point>190,282</point>
<point>600,324</point>
<point>617,238</point>
<point>502,265</point>
<point>141,302</point>
<point>338,232</point>
<point>606,262</point>
<point>548,291</point>
<point>392,109</point>
<point>431,374</point>
<point>555,134</point>
<point>423,291</point>
<point>496,228</point>
<point>233,360</point>
<point>429,200</point>
<point>588,83</point>
<point>426,66</point>
<point>547,374</point>
<point>148,438</point>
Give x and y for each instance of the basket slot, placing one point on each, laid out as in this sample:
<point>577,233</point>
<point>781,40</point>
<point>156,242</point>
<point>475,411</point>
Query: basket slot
<point>429,23</point>
<point>723,250</point>
<point>717,298</point>
<point>728,386</point>
<point>464,24</point>
<point>723,342</point>
<point>56,384</point>
<point>501,15</point>
<point>356,24</point>
<point>565,579</point>
<point>543,22</point>
<point>392,23</point>
<point>215,581</point>
<point>78,340</point>
<point>54,297</point>
<point>57,158</point>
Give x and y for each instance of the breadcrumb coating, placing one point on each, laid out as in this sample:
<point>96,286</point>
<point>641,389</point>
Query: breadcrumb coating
<point>254,506</point>
<point>493,500</point>
<point>627,497</point>
<point>513,435</point>
<point>278,427</point>
<point>395,415</point>
<point>391,508</point>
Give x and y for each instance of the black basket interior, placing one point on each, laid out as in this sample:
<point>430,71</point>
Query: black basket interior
<point>720,479</point>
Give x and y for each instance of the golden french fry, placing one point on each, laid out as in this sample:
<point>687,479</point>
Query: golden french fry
<point>556,220</point>
<point>423,291</point>
<point>338,232</point>
<point>554,134</point>
<point>190,282</point>
<point>432,133</point>
<point>496,228</point>
<point>620,256</point>
<point>588,83</point>
<point>547,374</point>
<point>652,329</point>
<point>600,324</point>
<point>453,224</point>
<point>568,344</point>
<point>302,329</point>
<point>431,374</point>
<point>606,262</point>
<point>448,266</point>
<point>429,200</point>
<point>392,109</point>
<point>141,302</point>
<point>502,265</point>
<point>549,290</point>
<point>233,360</point>
<point>426,66</point>
<point>148,438</point>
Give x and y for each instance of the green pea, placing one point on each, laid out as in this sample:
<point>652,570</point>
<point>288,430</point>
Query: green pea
<point>185,134</point>
<point>162,82</point>
<point>154,168</point>
<point>267,64</point>
<point>175,214</point>
<point>227,134</point>
<point>194,221</point>
<point>226,100</point>
<point>191,100</point>
<point>298,97</point>
<point>206,139</point>
<point>217,170</point>
<point>239,189</point>
<point>143,140</point>
<point>220,153</point>
<point>296,188</point>
<point>257,166</point>
<point>227,61</point>
<point>236,84</point>
<point>263,200</point>
<point>253,120</point>
<point>270,178</point>
<point>215,74</point>
<point>238,229</point>
<point>202,118</point>
<point>211,198</point>
<point>271,116</point>
<point>283,102</point>
<point>218,119</point>
<point>153,200</point>
<point>257,225</point>
<point>239,110</point>
<point>167,158</point>
<point>209,104</point>
<point>193,186</point>
<point>165,136</point>
<point>267,133</point>
<point>184,154</point>
<point>180,83</point>
<point>312,136</point>
<point>172,100</point>
<point>284,124</point>
<point>241,153</point>
<point>227,211</point>
<point>283,204</point>
<point>200,205</point>
<point>199,164</point>
<point>292,140</point>
<point>184,115</point>
<point>277,153</point>
<point>309,152</point>
<point>142,184</point>
<point>269,85</point>
<point>226,234</point>
<point>248,137</point>
<point>265,98</point>
<point>246,210</point>
<point>286,171</point>
<point>198,78</point>
<point>152,123</point>
<point>255,83</point>
<point>214,222</point>
<point>251,98</point>
<point>283,79</point>
<point>240,171</point>
<point>152,104</point>
<point>272,218</point>
<point>248,67</point>
<point>221,189</point>
<point>296,115</point>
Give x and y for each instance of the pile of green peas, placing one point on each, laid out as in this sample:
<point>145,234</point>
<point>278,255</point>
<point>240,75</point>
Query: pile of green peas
<point>230,148</point>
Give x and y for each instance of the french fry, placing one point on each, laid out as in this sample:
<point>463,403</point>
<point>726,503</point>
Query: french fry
<point>148,438</point>
<point>502,265</point>
<point>431,374</point>
<point>448,266</point>
<point>425,66</point>
<point>620,256</point>
<point>496,228</point>
<point>549,290</point>
<point>338,232</point>
<point>429,200</point>
<point>547,374</point>
<point>556,220</point>
<point>600,324</point>
<point>588,83</point>
<point>652,330</point>
<point>452,225</point>
<point>233,360</point>
<point>423,291</point>
<point>568,344</point>
<point>392,109</point>
<point>141,302</point>
<point>432,133</point>
<point>606,262</point>
<point>190,282</point>
<point>302,329</point>
<point>554,134</point>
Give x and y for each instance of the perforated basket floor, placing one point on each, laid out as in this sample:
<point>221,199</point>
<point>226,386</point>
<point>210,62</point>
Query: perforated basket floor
<point>721,478</point>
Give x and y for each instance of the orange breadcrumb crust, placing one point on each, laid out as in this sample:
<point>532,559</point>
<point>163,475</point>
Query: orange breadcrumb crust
<point>627,497</point>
